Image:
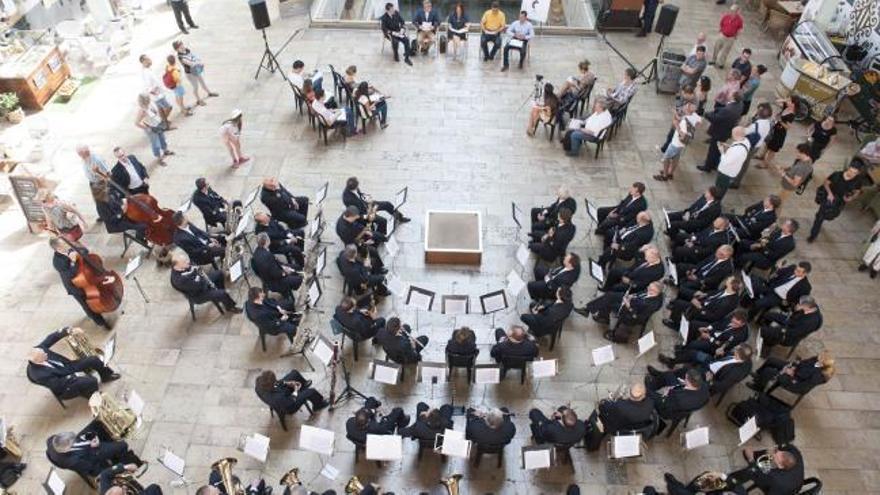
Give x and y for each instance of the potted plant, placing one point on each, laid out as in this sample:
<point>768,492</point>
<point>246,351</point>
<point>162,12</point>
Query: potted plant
<point>10,107</point>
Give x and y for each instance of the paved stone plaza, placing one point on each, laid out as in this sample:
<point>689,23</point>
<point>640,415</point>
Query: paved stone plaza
<point>457,140</point>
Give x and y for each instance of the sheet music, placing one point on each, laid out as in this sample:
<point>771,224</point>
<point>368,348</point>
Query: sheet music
<point>321,262</point>
<point>515,284</point>
<point>523,255</point>
<point>315,226</point>
<point>252,196</point>
<point>683,329</point>
<point>173,462</point>
<point>323,350</point>
<point>185,206</point>
<point>697,437</point>
<point>455,305</point>
<point>420,299</point>
<point>666,218</point>
<point>256,446</point>
<point>487,375</point>
<point>515,43</point>
<point>109,349</point>
<point>646,342</point>
<point>603,355</point>
<point>747,281</point>
<point>236,270</point>
<point>626,446</point>
<point>455,445</point>
<point>55,483</point>
<point>536,458</point>
<point>383,373</point>
<point>135,403</point>
<point>243,223</point>
<point>329,472</point>
<point>316,440</point>
<point>314,293</point>
<point>429,371</point>
<point>670,269</point>
<point>133,264</point>
<point>759,344</point>
<point>3,432</point>
<point>384,447</point>
<point>597,272</point>
<point>592,211</point>
<point>495,302</point>
<point>396,286</point>
<point>545,368</point>
<point>748,430</point>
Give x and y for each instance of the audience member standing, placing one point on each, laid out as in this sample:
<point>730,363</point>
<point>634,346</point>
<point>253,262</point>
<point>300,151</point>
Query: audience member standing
<point>154,87</point>
<point>721,123</point>
<point>194,69</point>
<point>181,11</point>
<point>729,27</point>
<point>649,8</point>
<point>173,81</point>
<point>150,121</point>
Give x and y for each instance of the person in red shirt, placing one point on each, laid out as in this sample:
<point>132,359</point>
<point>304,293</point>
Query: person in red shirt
<point>730,26</point>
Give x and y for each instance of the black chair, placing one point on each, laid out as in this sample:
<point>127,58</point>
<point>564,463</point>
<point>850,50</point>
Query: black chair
<point>584,97</point>
<point>299,98</point>
<point>338,84</point>
<point>313,119</point>
<point>365,115</point>
<point>426,445</point>
<point>192,305</point>
<point>563,455</point>
<point>281,414</point>
<point>721,393</point>
<point>647,430</point>
<point>394,358</point>
<point>455,360</point>
<point>515,363</point>
<point>361,447</point>
<point>489,449</point>
<point>791,405</point>
<point>57,397</point>
<point>556,334</point>
<point>324,126</point>
<point>355,338</point>
<point>600,140</point>
<point>811,486</point>
<point>682,418</point>
<point>262,331</point>
<point>617,118</point>
<point>128,238</point>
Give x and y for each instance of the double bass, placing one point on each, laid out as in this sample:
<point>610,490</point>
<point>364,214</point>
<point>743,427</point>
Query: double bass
<point>144,208</point>
<point>101,297</point>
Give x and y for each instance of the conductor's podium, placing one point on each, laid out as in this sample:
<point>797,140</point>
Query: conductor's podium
<point>453,237</point>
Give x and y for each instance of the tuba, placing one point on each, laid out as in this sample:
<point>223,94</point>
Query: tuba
<point>224,467</point>
<point>119,422</point>
<point>710,481</point>
<point>82,346</point>
<point>129,483</point>
<point>451,484</point>
<point>291,478</point>
<point>354,486</point>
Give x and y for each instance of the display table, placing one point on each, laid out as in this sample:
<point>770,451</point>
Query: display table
<point>35,75</point>
<point>453,237</point>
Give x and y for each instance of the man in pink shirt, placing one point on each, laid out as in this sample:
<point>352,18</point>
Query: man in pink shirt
<point>729,28</point>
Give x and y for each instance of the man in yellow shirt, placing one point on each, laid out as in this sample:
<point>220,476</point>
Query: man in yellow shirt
<point>493,24</point>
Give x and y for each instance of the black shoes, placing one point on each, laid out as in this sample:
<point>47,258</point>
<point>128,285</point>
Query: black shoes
<point>669,323</point>
<point>234,310</point>
<point>666,360</point>
<point>703,168</point>
<point>601,319</point>
<point>407,61</point>
<point>321,405</point>
<point>112,377</point>
<point>504,68</point>
<point>582,311</point>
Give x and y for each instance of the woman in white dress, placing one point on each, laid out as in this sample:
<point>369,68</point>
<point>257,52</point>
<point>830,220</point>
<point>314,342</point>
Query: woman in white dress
<point>871,259</point>
<point>230,134</point>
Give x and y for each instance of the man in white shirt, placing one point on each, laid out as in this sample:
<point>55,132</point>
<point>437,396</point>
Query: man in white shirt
<point>129,173</point>
<point>701,41</point>
<point>756,134</point>
<point>587,130</point>
<point>334,117</point>
<point>298,76</point>
<point>685,126</point>
<point>153,86</point>
<point>521,31</point>
<point>733,157</point>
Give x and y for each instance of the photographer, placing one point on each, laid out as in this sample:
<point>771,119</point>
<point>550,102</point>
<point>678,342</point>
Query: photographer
<point>544,107</point>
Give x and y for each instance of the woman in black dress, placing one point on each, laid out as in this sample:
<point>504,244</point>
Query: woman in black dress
<point>458,28</point>
<point>776,139</point>
<point>821,135</point>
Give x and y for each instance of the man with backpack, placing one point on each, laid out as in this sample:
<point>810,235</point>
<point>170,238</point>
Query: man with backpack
<point>733,157</point>
<point>685,125</point>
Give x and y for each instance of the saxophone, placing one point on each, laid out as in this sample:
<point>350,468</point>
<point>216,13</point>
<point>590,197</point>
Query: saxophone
<point>710,481</point>
<point>451,484</point>
<point>119,422</point>
<point>82,346</point>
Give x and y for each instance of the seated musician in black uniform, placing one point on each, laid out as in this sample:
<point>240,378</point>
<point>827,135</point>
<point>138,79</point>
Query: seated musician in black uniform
<point>778,328</point>
<point>763,253</point>
<point>693,248</point>
<point>129,173</point>
<point>514,344</point>
<point>798,376</point>
<point>368,208</point>
<point>64,260</point>
<point>111,211</point>
<point>107,486</point>
<point>198,286</point>
<point>492,428</point>
<point>689,393</point>
<point>778,471</point>
<point>708,340</point>
<point>784,289</point>
<point>636,277</point>
<point>544,317</point>
<point>283,241</point>
<point>428,422</point>
<point>544,217</point>
<point>210,203</point>
<point>562,428</point>
<point>463,341</point>
<point>706,306</point>
<point>624,243</point>
<point>66,378</point>
<point>547,281</point>
<point>398,343</point>
<point>614,415</point>
<point>632,308</point>
<point>271,316</point>
<point>351,230</point>
<point>554,242</point>
<point>201,247</point>
<point>284,206</point>
<point>624,214</point>
<point>89,452</point>
<point>366,421</point>
<point>365,322</point>
<point>707,275</point>
<point>288,394</point>
<point>357,275</point>
<point>720,372</point>
<point>697,216</point>
<point>756,218</point>
<point>276,276</point>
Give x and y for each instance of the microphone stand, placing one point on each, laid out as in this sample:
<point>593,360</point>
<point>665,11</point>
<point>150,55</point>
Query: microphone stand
<point>650,67</point>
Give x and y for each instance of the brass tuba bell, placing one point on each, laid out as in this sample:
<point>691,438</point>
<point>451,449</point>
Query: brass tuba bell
<point>80,344</point>
<point>291,478</point>
<point>119,421</point>
<point>354,486</point>
<point>224,468</point>
<point>451,484</point>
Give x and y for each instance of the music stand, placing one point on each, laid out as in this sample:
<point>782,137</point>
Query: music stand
<point>400,198</point>
<point>421,299</point>
<point>386,372</point>
<point>493,302</point>
<point>251,197</point>
<point>348,392</point>
<point>321,194</point>
<point>316,228</point>
<point>593,214</point>
<point>238,270</point>
<point>454,304</point>
<point>538,457</point>
<point>174,463</point>
<point>185,206</point>
<point>54,485</point>
<point>597,273</point>
<point>673,272</point>
<point>516,213</point>
<point>431,372</point>
<point>130,269</point>
<point>320,264</point>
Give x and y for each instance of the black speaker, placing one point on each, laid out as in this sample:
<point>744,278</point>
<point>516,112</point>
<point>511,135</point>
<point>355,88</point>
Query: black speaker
<point>666,19</point>
<point>260,14</point>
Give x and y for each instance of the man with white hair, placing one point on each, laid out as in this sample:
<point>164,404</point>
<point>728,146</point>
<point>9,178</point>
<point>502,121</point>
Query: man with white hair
<point>91,163</point>
<point>492,428</point>
<point>701,41</point>
<point>632,308</point>
<point>621,414</point>
<point>586,130</point>
<point>733,158</point>
<point>66,378</point>
<point>545,217</point>
<point>198,286</point>
<point>785,473</point>
<point>85,453</point>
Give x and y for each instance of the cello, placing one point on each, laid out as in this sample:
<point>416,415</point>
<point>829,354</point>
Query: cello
<point>101,296</point>
<point>144,208</point>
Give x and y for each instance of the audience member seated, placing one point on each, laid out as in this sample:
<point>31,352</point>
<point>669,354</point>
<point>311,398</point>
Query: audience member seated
<point>289,394</point>
<point>575,85</point>
<point>544,317</point>
<point>545,217</point>
<point>89,452</point>
<point>544,110</point>
<point>212,205</point>
<point>721,372</point>
<point>365,421</point>
<point>756,218</point>
<point>394,29</point>
<point>66,378</point>
<point>679,396</point>
<point>625,242</point>
<point>554,242</point>
<point>370,104</point>
<point>364,322</point>
<point>784,476</point>
<point>624,214</point>
<point>798,376</point>
<point>276,276</point>
<point>492,24</point>
<point>632,309</point>
<point>706,341</point>
<point>763,253</point>
<point>398,343</point>
<point>199,287</point>
<point>520,31</point>
<point>429,422</point>
<point>639,275</point>
<point>492,428</point>
<point>613,415</point>
<point>298,75</point>
<point>358,275</point>
<point>788,329</point>
<point>562,427</point>
<point>547,282</point>
<point>286,242</point>
<point>284,206</point>
<point>463,341</point>
<point>711,306</point>
<point>697,216</point>
<point>457,28</point>
<point>694,248</point>
<point>513,344</point>
<point>784,289</point>
<point>586,130</point>
<point>623,92</point>
<point>271,316</point>
<point>337,118</point>
<point>353,196</point>
<point>707,275</point>
<point>201,248</point>
<point>426,22</point>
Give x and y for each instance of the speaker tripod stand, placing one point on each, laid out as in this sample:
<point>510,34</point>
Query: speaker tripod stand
<point>268,62</point>
<point>650,67</point>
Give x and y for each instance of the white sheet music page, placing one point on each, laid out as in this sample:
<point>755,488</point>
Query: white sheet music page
<point>431,372</point>
<point>593,211</point>
<point>55,483</point>
<point>455,445</point>
<point>544,368</point>
<point>392,247</point>
<point>173,462</point>
<point>133,264</point>
<point>135,403</point>
<point>697,437</point>
<point>385,374</point>
<point>419,300</point>
<point>396,286</point>
<point>523,255</point>
<point>646,342</point>
<point>747,281</point>
<point>316,440</point>
<point>109,349</point>
<point>683,329</point>
<point>673,272</point>
<point>314,293</point>
<point>603,355</point>
<point>597,272</point>
<point>235,271</point>
<point>495,303</point>
<point>329,472</point>
<point>323,351</point>
<point>536,459</point>
<point>515,284</point>
<point>384,447</point>
<point>487,375</point>
<point>748,430</point>
<point>626,446</point>
<point>456,306</point>
<point>256,446</point>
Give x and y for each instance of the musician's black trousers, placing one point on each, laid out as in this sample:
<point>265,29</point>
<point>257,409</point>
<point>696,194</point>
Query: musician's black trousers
<point>219,294</point>
<point>768,370</point>
<point>305,394</point>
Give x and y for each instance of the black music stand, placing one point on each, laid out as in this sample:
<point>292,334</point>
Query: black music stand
<point>348,392</point>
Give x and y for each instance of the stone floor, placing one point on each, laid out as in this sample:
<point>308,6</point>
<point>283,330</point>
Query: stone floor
<point>457,141</point>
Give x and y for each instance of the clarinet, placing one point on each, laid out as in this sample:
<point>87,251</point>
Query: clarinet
<point>333,361</point>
